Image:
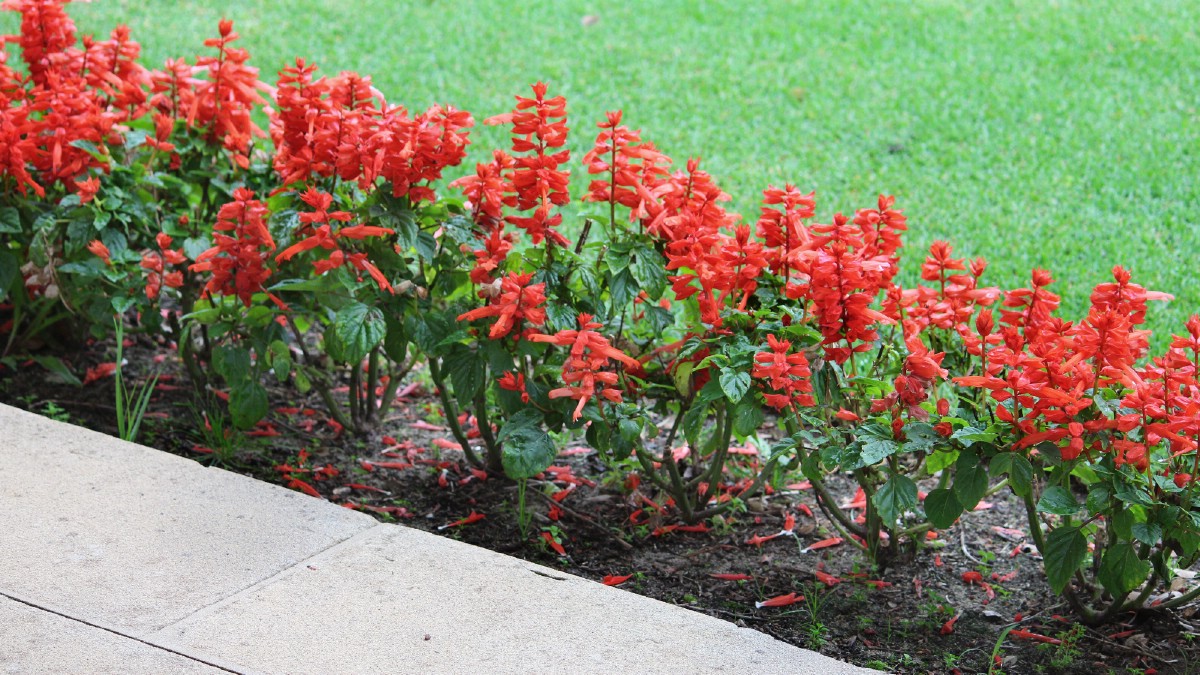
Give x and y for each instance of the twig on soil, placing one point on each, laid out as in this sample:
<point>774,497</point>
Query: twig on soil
<point>962,537</point>
<point>585,520</point>
<point>1103,640</point>
<point>86,404</point>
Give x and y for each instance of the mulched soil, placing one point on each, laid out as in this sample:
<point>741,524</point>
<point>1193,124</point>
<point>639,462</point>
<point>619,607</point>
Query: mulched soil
<point>893,620</point>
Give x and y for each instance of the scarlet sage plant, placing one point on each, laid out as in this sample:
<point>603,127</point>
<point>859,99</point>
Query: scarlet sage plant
<point>660,327</point>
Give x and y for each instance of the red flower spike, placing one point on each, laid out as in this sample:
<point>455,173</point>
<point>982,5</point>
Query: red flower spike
<point>517,303</point>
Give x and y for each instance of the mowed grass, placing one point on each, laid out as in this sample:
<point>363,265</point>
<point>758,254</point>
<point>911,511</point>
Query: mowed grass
<point>1036,133</point>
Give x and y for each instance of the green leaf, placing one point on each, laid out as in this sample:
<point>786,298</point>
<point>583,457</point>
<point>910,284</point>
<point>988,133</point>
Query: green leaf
<point>1147,533</point>
<point>940,460</point>
<point>622,289</point>
<point>921,437</point>
<point>693,422</point>
<point>359,328</point>
<point>1121,570</point>
<point>303,384</point>
<point>877,445</point>
<point>247,404</point>
<point>1019,470</point>
<point>467,373</point>
<point>1066,547</point>
<point>895,497</point>
<point>281,359</point>
<point>735,383</point>
<point>232,363</point>
<point>970,479</point>
<point>56,366</point>
<point>10,270</point>
<point>648,269</point>
<point>971,435</point>
<point>942,507</point>
<point>426,245</point>
<point>618,257</point>
<point>747,416</point>
<point>1098,498</point>
<point>10,220</point>
<point>395,344</point>
<point>528,450</point>
<point>1058,500</point>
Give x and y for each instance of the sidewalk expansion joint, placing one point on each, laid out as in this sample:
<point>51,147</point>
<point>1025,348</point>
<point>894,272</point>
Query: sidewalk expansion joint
<point>114,631</point>
<point>278,576</point>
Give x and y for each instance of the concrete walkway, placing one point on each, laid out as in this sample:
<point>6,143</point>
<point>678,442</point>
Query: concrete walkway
<point>119,558</point>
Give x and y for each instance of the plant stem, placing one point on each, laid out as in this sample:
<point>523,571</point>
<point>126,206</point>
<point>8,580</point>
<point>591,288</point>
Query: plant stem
<point>451,412</point>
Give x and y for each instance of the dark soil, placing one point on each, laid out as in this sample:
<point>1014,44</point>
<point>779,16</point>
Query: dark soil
<point>890,621</point>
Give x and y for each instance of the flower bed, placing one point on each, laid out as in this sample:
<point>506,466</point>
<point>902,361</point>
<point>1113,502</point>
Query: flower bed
<point>658,328</point>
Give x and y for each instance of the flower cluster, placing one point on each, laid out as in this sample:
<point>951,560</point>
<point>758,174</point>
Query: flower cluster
<point>585,372</point>
<point>316,232</point>
<point>237,263</point>
<point>342,126</point>
<point>786,374</point>
<point>535,181</point>
<point>1046,372</point>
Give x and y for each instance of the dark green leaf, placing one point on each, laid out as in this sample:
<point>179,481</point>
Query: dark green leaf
<point>1147,533</point>
<point>920,437</point>
<point>395,343</point>
<point>942,508</point>
<point>622,290</point>
<point>735,383</point>
<point>895,497</point>
<point>1098,498</point>
<point>10,271</point>
<point>876,447</point>
<point>467,373</point>
<point>1121,570</point>
<point>1066,548</point>
<point>1058,500</point>
<point>527,450</point>
<point>747,416</point>
<point>360,329</point>
<point>970,479</point>
<point>648,269</point>
<point>232,363</point>
<point>247,404</point>
<point>426,245</point>
<point>1019,470</point>
<point>10,220</point>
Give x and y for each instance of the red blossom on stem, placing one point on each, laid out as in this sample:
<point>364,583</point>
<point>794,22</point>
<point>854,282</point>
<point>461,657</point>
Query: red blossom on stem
<point>583,372</point>
<point>518,301</point>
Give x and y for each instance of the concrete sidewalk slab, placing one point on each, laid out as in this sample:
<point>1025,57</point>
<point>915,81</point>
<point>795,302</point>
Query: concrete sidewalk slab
<point>36,641</point>
<point>136,539</point>
<point>401,600</point>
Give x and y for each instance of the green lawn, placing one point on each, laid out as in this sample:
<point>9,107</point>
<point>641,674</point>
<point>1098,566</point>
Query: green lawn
<point>1055,134</point>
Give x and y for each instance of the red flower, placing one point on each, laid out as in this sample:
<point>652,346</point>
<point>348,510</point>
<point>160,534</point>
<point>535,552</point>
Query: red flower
<point>509,382</point>
<point>582,372</point>
<point>518,301</point>
<point>539,127</point>
<point>99,250</point>
<point>223,104</point>
<point>787,374</point>
<point>238,260</point>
